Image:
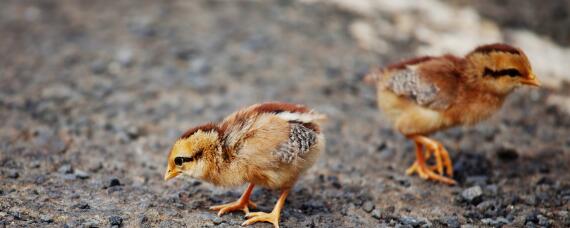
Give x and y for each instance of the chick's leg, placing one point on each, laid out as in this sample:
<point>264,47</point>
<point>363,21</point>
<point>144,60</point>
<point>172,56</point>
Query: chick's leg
<point>441,155</point>
<point>420,165</point>
<point>272,217</point>
<point>243,203</point>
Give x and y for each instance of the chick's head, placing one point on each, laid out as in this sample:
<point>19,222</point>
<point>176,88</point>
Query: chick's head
<point>192,154</point>
<point>501,68</point>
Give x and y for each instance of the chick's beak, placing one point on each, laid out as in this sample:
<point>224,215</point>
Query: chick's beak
<point>531,81</point>
<point>170,174</point>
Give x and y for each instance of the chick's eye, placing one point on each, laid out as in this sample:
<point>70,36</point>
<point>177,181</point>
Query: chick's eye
<point>180,160</point>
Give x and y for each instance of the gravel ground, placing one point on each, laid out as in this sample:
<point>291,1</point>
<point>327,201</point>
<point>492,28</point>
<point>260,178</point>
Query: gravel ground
<point>93,93</point>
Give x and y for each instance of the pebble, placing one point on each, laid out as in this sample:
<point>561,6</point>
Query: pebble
<point>65,169</point>
<point>507,154</point>
<point>495,222</point>
<point>543,221</point>
<point>13,174</point>
<point>452,222</point>
<point>115,220</point>
<point>564,217</point>
<point>376,213</point>
<point>217,220</point>
<point>531,217</point>
<point>368,206</point>
<point>472,194</point>
<point>411,221</point>
<point>98,67</point>
<point>83,206</point>
<point>46,218</point>
<point>114,182</point>
<point>81,174</point>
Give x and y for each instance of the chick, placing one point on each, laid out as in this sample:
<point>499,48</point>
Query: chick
<point>269,145</point>
<point>427,94</point>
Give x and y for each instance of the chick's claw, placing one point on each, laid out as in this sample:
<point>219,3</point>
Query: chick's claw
<point>255,217</point>
<point>426,173</point>
<point>239,205</point>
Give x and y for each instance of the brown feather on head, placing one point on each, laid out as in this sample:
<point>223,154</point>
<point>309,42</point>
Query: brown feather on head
<point>500,67</point>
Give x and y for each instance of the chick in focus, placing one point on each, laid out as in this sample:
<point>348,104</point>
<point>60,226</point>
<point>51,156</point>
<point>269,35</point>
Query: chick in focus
<point>269,145</point>
<point>427,94</point>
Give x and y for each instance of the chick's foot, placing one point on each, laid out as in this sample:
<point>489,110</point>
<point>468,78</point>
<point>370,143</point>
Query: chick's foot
<point>242,204</point>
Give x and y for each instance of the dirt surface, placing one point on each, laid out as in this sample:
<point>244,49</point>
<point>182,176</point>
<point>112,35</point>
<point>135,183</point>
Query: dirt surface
<point>549,18</point>
<point>93,93</point>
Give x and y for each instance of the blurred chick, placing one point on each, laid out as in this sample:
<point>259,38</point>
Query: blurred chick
<point>427,94</point>
<point>269,144</point>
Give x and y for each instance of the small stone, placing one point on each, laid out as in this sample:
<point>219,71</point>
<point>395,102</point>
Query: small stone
<point>81,174</point>
<point>185,54</point>
<point>13,174</point>
<point>564,217</point>
<point>376,213</point>
<point>217,220</point>
<point>368,206</point>
<point>83,206</point>
<point>65,169</point>
<point>411,221</point>
<point>114,182</point>
<point>495,222</point>
<point>531,217</point>
<point>125,56</point>
<point>40,179</point>
<point>115,220</point>
<point>46,218</point>
<point>507,154</point>
<point>98,67</point>
<point>452,222</point>
<point>91,223</point>
<point>472,194</point>
<point>543,221</point>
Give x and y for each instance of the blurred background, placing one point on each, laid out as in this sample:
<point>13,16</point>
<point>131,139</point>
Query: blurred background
<point>93,93</point>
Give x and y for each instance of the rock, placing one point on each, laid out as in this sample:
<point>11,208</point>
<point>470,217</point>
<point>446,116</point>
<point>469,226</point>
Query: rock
<point>564,217</point>
<point>98,67</point>
<point>84,206</point>
<point>411,221</point>
<point>531,217</point>
<point>185,53</point>
<point>46,218</point>
<point>507,154</point>
<point>543,221</point>
<point>114,182</point>
<point>376,213</point>
<point>368,206</point>
<point>115,220</point>
<point>452,222</point>
<point>125,56</point>
<point>217,220</point>
<point>473,194</point>
<point>13,174</point>
<point>81,174</point>
<point>65,169</point>
<point>495,222</point>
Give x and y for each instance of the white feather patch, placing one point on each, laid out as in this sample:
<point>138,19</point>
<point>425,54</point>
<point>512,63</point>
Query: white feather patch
<point>301,117</point>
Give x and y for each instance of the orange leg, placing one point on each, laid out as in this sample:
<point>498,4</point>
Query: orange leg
<point>442,161</point>
<point>272,217</point>
<point>243,203</point>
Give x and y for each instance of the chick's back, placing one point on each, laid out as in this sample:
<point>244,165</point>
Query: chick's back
<point>278,143</point>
